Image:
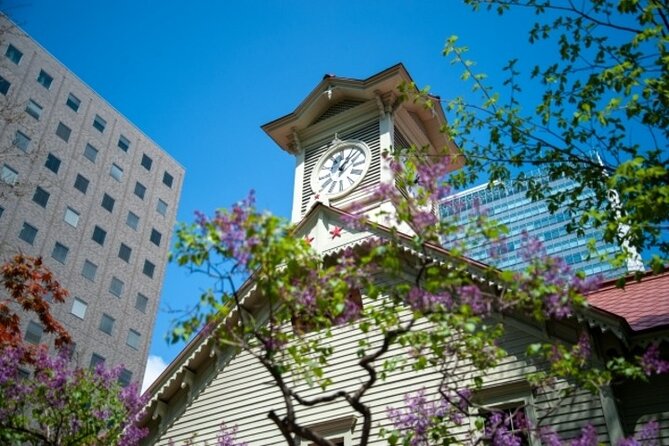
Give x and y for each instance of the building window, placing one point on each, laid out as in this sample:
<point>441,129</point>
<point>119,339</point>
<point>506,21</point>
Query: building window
<point>63,132</point>
<point>41,196</point>
<point>4,86</point>
<point>22,141</point>
<point>91,153</point>
<point>71,217</point>
<point>116,286</point>
<point>99,235</point>
<point>52,163</point>
<point>34,109</point>
<point>140,190</point>
<point>141,302</point>
<point>89,270</point>
<point>125,377</point>
<point>512,417</point>
<point>44,79</point>
<point>14,54</point>
<point>81,183</point>
<point>99,123</point>
<point>9,175</point>
<point>28,233</point>
<point>34,332</point>
<point>133,339</point>
<point>149,269</point>
<point>60,252</point>
<point>123,143</point>
<point>167,179</point>
<point>146,162</point>
<point>116,172</point>
<point>79,308</point>
<point>155,237</point>
<point>132,221</point>
<point>106,324</point>
<point>108,202</point>
<point>124,252</point>
<point>161,207</point>
<point>97,360</point>
<point>73,102</point>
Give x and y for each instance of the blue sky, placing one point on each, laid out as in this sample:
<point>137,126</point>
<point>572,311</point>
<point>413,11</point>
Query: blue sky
<point>200,78</point>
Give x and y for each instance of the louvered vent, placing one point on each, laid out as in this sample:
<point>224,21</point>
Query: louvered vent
<point>400,143</point>
<point>339,107</point>
<point>369,134</point>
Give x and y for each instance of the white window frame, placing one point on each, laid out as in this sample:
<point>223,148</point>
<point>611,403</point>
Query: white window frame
<point>34,109</point>
<point>116,172</point>
<point>9,175</point>
<point>137,336</point>
<point>79,308</point>
<point>71,217</point>
<point>337,429</point>
<point>506,394</point>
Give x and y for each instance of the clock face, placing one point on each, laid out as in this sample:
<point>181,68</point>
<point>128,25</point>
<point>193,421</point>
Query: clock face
<point>340,169</point>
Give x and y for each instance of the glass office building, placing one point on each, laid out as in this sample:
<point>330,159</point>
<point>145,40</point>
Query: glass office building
<point>509,206</point>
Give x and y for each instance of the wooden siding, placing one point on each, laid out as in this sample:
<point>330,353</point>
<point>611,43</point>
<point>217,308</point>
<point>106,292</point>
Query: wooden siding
<point>242,394</point>
<point>337,108</point>
<point>640,402</point>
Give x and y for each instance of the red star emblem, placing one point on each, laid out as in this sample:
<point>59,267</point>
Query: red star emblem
<point>335,232</point>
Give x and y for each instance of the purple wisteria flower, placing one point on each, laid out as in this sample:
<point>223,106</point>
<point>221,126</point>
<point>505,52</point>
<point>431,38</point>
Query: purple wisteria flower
<point>421,300</point>
<point>588,437</point>
<point>652,363</point>
<point>227,436</point>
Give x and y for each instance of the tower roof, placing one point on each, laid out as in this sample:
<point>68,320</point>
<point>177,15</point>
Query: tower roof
<point>381,87</point>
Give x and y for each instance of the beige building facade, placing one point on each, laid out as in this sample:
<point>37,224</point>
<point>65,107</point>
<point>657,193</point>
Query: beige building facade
<point>90,193</point>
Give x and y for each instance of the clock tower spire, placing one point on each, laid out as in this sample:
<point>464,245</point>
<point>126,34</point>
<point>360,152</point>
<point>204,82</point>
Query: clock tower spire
<point>340,131</point>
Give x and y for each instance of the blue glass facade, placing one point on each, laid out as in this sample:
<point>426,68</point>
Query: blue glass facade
<point>510,206</point>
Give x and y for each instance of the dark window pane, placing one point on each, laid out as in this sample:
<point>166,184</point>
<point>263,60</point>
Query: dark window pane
<point>167,179</point>
<point>14,54</point>
<point>108,202</point>
<point>123,143</point>
<point>63,132</point>
<point>52,163</point>
<point>4,85</point>
<point>28,233</point>
<point>99,123</point>
<point>149,268</point>
<point>91,153</point>
<point>140,190</point>
<point>73,102</point>
<point>140,302</point>
<point>124,252</point>
<point>155,237</point>
<point>60,252</point>
<point>44,79</point>
<point>81,183</point>
<point>99,235</point>
<point>146,162</point>
<point>41,197</point>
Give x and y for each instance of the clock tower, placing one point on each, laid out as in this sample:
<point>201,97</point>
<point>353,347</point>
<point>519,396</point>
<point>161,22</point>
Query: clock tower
<point>340,131</point>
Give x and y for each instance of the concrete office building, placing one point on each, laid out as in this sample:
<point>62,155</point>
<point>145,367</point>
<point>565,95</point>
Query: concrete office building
<point>90,193</point>
<point>509,206</point>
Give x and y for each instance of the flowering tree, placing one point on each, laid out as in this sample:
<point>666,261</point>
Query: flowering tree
<point>593,107</point>
<point>280,301</point>
<point>28,282</point>
<point>45,399</point>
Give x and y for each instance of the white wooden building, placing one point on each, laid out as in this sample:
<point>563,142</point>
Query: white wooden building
<point>208,384</point>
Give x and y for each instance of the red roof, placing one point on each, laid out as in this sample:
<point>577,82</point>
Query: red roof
<point>643,304</point>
